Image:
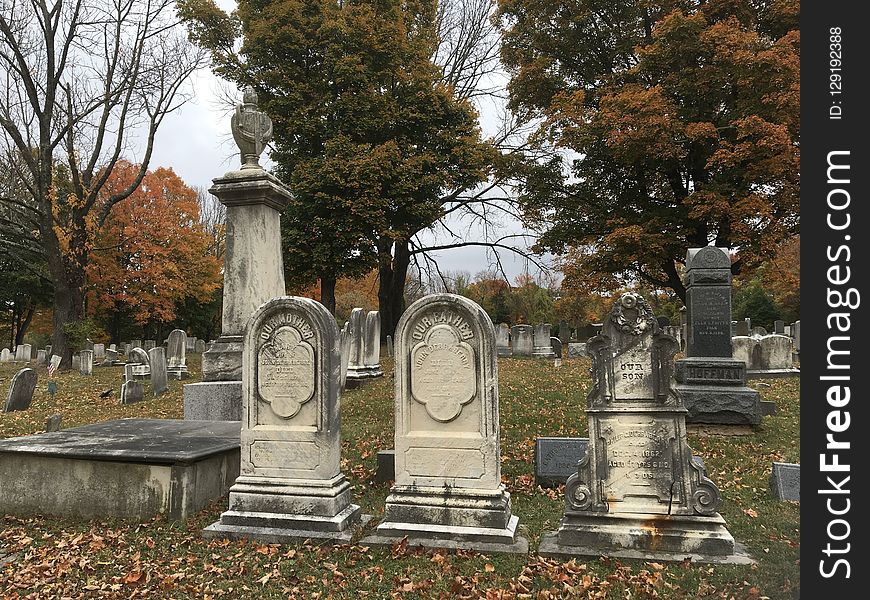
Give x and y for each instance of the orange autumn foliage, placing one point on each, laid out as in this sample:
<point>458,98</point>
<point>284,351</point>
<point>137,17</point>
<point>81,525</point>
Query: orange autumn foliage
<point>152,251</point>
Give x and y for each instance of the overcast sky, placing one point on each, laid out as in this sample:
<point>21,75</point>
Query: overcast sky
<point>196,142</point>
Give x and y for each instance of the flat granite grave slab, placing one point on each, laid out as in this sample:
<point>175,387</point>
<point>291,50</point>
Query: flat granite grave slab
<point>127,469</point>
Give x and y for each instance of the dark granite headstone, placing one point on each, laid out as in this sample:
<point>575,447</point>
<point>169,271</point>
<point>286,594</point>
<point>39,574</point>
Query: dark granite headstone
<point>708,302</point>
<point>564,332</point>
<point>556,344</point>
<point>386,466</point>
<point>779,327</point>
<point>556,458</point>
<point>663,321</point>
<point>785,481</point>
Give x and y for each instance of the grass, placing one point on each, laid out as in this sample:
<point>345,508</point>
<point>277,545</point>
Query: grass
<point>49,557</point>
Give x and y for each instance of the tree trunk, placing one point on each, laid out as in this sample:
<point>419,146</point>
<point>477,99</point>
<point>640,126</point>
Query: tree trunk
<point>24,325</point>
<point>392,271</point>
<point>327,293</point>
<point>68,273</point>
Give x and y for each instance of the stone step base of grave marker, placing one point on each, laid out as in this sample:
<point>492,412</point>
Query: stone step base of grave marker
<point>439,518</point>
<point>125,469</point>
<point>543,352</point>
<point>364,372</point>
<point>504,352</point>
<point>663,537</point>
<point>772,373</point>
<point>722,405</point>
<point>281,529</point>
<point>178,373</point>
<point>213,401</point>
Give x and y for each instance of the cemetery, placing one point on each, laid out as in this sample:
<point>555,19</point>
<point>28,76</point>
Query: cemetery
<point>269,387</point>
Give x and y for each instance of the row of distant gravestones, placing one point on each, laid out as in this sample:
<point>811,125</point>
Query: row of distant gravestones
<point>140,365</point>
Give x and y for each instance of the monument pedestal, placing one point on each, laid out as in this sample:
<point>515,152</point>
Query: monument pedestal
<point>714,391</point>
<point>213,401</point>
<point>450,518</point>
<point>288,510</point>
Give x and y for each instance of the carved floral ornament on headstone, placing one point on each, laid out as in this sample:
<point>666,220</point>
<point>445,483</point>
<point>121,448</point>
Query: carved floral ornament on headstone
<point>286,378</point>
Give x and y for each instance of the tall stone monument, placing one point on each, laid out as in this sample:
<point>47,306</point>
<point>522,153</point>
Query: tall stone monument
<point>291,486</point>
<point>448,490</point>
<point>253,268</point>
<point>638,492</point>
<point>710,382</point>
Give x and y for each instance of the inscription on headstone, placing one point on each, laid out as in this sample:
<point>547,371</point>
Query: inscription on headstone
<point>21,390</point>
<point>556,458</point>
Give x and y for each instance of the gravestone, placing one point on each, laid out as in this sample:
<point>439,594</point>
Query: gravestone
<point>111,358</point>
<point>141,366</point>
<point>21,390</point>
<point>99,352</point>
<point>344,344</point>
<point>135,344</point>
<point>564,332</point>
<point>199,346</point>
<point>372,344</point>
<point>663,322</point>
<point>149,344</point>
<point>638,491</point>
<point>356,368</point>
<point>22,353</point>
<point>113,347</point>
<point>785,481</point>
<point>521,340</point>
<point>189,343</point>
<point>40,356</point>
<point>769,356</point>
<point>587,331</point>
<point>779,327</point>
<point>556,459</point>
<point>159,376</point>
<point>86,362</point>
<point>54,362</point>
<point>291,486</point>
<point>132,389</point>
<point>711,383</point>
<point>448,491</point>
<point>76,362</point>
<point>503,339</point>
<point>796,330</point>
<point>176,355</point>
<point>253,264</point>
<point>89,344</point>
<point>53,423</point>
<point>127,348</point>
<point>386,470</point>
<point>48,350</point>
<point>577,350</point>
<point>390,346</point>
<point>542,347</point>
<point>5,355</point>
<point>556,345</point>
<point>787,330</point>
<point>758,331</point>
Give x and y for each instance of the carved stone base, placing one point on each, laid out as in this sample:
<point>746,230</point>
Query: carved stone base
<point>543,352</point>
<point>213,401</point>
<point>725,405</point>
<point>364,372</point>
<point>223,360</point>
<point>449,518</point>
<point>660,537</point>
<point>177,373</point>
<point>504,352</point>
<point>266,508</point>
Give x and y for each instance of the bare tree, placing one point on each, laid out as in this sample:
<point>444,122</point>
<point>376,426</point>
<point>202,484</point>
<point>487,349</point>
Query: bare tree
<point>86,82</point>
<point>213,216</point>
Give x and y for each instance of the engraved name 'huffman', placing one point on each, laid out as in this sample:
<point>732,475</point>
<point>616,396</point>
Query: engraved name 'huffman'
<point>443,373</point>
<point>286,370</point>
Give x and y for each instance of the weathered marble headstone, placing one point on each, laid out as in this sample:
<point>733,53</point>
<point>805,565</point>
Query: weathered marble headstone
<point>541,340</point>
<point>99,352</point>
<point>76,362</point>
<point>189,343</point>
<point>53,422</point>
<point>40,356</point>
<point>503,339</point>
<point>787,329</point>
<point>769,356</point>
<point>48,350</point>
<point>113,347</point>
<point>796,332</point>
<point>758,331</point>
<point>372,344</point>
<point>89,344</point>
<point>711,382</point>
<point>135,344</point>
<point>5,355</point>
<point>779,327</point>
<point>132,389</point>
<point>291,486</point>
<point>141,365</point>
<point>159,376</point>
<point>21,390</point>
<point>86,362</point>
<point>521,340</point>
<point>556,459</point>
<point>22,353</point>
<point>344,345</point>
<point>577,350</point>
<point>177,355</point>
<point>785,481</point>
<point>448,490</point>
<point>111,358</point>
<point>564,332</point>
<point>149,344</point>
<point>356,368</point>
<point>390,351</point>
<point>638,491</point>
<point>127,348</point>
<point>54,362</point>
<point>199,346</point>
<point>556,345</point>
